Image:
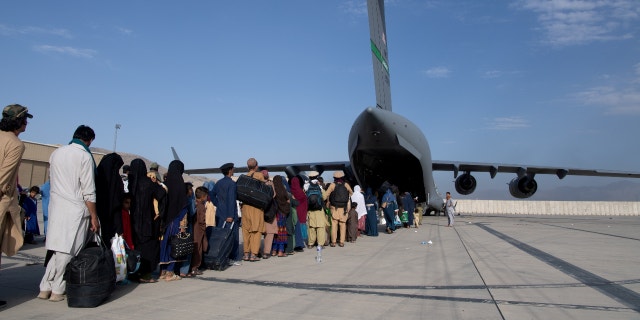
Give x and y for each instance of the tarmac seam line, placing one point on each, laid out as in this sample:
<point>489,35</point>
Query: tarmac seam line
<point>619,293</point>
<point>346,290</point>
<point>475,266</point>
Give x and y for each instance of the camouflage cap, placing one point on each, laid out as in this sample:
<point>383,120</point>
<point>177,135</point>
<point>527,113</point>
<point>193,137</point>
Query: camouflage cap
<point>154,166</point>
<point>15,111</point>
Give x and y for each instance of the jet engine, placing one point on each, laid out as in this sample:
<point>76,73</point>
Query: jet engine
<point>523,187</point>
<point>465,184</point>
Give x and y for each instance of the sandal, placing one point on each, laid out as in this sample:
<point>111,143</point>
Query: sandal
<point>245,257</point>
<point>274,253</point>
<point>196,272</point>
<point>265,256</point>
<point>341,244</point>
<point>171,277</point>
<point>188,275</point>
<point>333,244</point>
<point>281,254</point>
<point>151,280</point>
<point>254,258</point>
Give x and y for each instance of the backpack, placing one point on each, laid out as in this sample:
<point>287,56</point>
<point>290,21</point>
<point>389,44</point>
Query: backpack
<point>340,196</point>
<point>314,197</point>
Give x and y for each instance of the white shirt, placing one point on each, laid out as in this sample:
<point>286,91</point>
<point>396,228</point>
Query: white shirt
<point>72,175</point>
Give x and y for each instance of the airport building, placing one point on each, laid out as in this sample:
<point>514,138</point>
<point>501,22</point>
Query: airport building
<point>34,167</point>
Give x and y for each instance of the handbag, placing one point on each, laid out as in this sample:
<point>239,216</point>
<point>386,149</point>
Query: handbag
<point>134,258</point>
<point>270,212</point>
<point>181,245</point>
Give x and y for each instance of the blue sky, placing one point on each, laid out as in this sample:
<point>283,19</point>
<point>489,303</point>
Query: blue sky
<point>534,82</point>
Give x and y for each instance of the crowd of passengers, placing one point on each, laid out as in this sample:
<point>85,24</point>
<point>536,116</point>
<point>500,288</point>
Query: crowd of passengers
<point>147,208</point>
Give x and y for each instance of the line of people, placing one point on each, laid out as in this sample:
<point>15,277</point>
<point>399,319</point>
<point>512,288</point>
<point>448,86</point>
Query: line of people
<point>148,211</point>
<point>304,213</point>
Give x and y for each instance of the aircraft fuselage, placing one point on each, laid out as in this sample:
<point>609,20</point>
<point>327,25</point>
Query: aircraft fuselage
<point>385,146</point>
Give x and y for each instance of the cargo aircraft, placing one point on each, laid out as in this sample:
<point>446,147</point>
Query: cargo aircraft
<point>386,147</point>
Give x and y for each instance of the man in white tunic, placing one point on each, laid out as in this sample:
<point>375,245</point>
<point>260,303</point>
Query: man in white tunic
<point>72,209</point>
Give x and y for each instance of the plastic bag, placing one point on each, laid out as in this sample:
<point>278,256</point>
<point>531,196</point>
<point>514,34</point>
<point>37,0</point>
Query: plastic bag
<point>119,257</point>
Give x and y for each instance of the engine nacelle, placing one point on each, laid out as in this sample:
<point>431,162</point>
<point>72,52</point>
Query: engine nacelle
<point>522,188</point>
<point>465,184</point>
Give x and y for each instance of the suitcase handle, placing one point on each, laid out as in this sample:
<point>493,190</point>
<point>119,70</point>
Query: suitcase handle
<point>225,223</point>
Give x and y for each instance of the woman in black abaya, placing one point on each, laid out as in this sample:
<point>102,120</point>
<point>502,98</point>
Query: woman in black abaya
<point>145,221</point>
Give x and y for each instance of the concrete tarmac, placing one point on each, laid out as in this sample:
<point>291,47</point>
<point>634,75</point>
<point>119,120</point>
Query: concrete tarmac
<point>485,267</point>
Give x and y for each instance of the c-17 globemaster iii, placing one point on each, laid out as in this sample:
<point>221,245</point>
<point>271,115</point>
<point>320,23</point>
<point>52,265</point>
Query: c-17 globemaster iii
<point>386,148</point>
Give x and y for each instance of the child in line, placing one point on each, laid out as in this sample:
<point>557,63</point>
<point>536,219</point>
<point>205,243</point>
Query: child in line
<point>199,230</point>
<point>30,206</point>
<point>352,223</point>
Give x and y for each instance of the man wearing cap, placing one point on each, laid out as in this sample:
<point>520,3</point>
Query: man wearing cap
<point>316,219</point>
<point>224,196</point>
<point>338,214</point>
<point>14,122</point>
<point>72,209</point>
<point>153,167</point>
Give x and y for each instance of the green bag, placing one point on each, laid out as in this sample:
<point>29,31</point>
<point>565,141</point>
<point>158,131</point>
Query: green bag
<point>404,217</point>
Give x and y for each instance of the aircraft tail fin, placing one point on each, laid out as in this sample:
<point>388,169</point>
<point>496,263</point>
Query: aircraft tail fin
<point>379,53</point>
<point>175,154</point>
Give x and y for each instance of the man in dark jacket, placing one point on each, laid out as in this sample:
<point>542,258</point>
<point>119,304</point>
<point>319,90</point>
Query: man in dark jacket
<point>225,193</point>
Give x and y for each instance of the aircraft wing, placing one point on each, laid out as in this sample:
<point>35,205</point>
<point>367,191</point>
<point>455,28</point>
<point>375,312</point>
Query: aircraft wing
<point>521,170</point>
<point>318,166</point>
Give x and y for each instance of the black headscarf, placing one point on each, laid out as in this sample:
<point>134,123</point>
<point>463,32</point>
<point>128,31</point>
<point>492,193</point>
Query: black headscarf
<point>109,195</point>
<point>177,192</point>
<point>282,196</point>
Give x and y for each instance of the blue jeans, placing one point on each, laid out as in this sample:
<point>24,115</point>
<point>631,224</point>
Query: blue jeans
<point>185,266</point>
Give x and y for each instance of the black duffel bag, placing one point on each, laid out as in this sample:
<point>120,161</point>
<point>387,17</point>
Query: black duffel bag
<point>254,192</point>
<point>91,275</point>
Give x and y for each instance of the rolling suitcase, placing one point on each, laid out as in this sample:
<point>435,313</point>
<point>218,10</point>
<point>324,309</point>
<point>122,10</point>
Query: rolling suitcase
<point>220,245</point>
